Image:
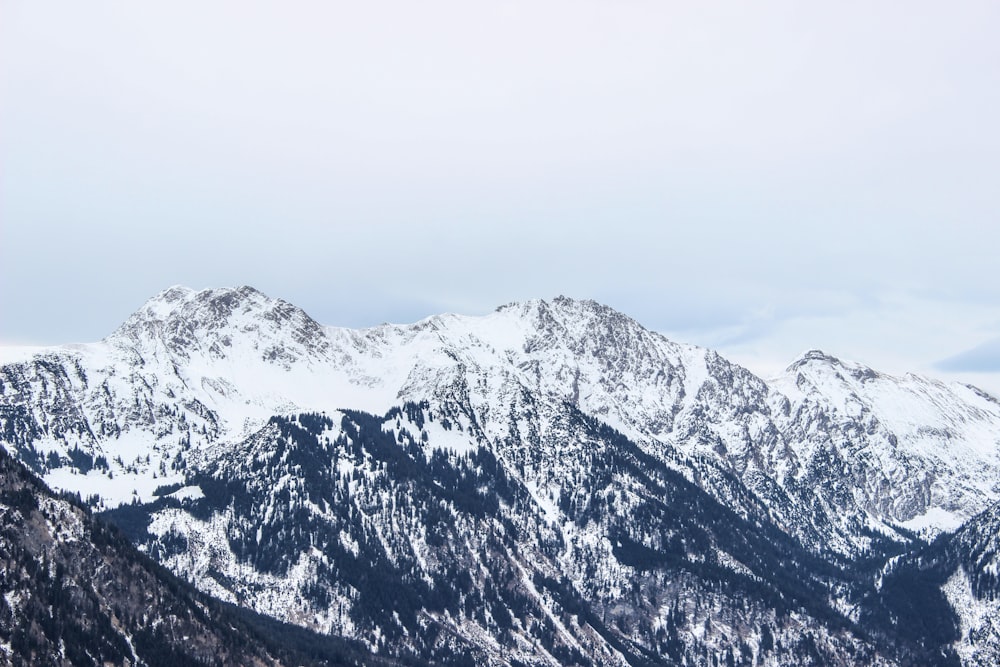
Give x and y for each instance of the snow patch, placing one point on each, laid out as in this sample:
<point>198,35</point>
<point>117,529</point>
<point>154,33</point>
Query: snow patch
<point>979,621</point>
<point>934,520</point>
<point>187,493</point>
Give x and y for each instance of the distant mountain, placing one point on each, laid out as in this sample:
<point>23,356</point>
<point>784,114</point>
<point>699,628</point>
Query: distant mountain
<point>553,459</point>
<point>913,451</point>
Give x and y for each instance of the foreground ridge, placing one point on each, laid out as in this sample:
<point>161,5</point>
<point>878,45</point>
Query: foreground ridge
<point>77,592</point>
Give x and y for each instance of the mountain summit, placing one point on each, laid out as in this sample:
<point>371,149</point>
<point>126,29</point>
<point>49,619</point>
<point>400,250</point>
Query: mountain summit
<point>194,369</point>
<point>183,323</point>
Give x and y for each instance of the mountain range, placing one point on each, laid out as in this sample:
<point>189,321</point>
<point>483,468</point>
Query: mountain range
<point>551,483</point>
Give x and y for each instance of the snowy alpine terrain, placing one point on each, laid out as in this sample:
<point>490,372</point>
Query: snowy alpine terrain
<point>75,591</point>
<point>551,483</point>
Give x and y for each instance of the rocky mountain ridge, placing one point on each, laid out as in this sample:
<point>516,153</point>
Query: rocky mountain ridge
<point>573,415</point>
<point>193,369</point>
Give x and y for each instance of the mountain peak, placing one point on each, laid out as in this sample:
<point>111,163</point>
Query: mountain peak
<point>564,309</point>
<point>177,298</point>
<point>814,356</point>
<point>160,305</point>
<point>180,317</point>
<point>818,363</point>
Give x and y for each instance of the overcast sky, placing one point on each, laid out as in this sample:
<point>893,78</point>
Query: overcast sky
<point>761,178</point>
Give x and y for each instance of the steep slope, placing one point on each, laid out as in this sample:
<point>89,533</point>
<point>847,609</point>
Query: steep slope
<point>76,592</point>
<point>912,451</point>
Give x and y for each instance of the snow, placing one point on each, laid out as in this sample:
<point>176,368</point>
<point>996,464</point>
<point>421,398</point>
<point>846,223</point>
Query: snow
<point>523,370</point>
<point>936,445</point>
<point>187,493</point>
<point>935,519</point>
<point>979,622</point>
<point>213,567</point>
<point>545,502</point>
<point>696,372</point>
<point>121,489</point>
<point>13,600</point>
<point>14,354</point>
<point>455,440</point>
<point>929,415</point>
<point>527,582</point>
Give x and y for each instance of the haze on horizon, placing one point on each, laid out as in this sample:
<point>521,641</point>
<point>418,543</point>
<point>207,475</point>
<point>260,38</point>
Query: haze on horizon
<point>761,179</point>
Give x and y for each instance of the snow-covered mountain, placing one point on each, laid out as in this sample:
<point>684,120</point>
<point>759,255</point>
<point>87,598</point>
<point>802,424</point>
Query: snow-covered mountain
<point>586,413</point>
<point>917,451</point>
<point>194,369</point>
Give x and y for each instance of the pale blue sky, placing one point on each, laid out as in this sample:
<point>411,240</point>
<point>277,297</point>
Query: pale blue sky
<point>759,177</point>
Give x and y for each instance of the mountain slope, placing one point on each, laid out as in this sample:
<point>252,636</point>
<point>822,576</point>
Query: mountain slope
<point>76,592</point>
<point>355,525</point>
<point>918,452</point>
<point>949,592</point>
